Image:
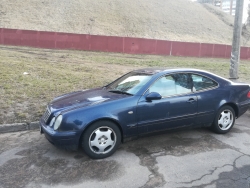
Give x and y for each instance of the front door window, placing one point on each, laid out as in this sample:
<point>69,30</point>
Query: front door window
<point>175,84</point>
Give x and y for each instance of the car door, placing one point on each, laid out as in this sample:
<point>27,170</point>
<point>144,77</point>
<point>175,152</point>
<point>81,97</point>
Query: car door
<point>206,91</point>
<point>176,108</point>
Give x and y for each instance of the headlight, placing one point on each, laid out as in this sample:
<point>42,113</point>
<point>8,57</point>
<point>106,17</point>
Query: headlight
<point>52,122</point>
<point>58,122</point>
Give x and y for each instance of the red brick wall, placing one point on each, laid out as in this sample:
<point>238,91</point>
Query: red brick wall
<point>56,40</point>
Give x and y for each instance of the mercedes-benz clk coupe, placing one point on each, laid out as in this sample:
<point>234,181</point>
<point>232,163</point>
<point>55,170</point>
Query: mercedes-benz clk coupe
<point>142,102</point>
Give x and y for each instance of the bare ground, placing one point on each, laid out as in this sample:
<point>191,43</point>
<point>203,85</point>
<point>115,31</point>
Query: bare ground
<point>178,20</point>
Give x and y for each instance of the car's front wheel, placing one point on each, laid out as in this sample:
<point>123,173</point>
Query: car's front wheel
<point>224,120</point>
<point>101,139</point>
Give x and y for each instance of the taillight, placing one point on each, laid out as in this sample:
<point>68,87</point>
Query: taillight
<point>248,95</point>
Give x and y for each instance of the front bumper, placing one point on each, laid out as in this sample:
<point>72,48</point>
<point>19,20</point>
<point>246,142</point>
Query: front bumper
<point>66,140</point>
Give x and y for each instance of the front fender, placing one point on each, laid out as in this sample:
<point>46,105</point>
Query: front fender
<point>122,113</point>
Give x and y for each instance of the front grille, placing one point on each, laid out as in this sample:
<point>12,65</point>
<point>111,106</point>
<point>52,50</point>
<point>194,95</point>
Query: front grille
<point>46,115</point>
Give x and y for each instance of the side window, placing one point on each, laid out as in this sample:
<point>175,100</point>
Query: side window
<point>174,84</point>
<point>201,82</point>
<point>183,83</point>
<point>165,86</point>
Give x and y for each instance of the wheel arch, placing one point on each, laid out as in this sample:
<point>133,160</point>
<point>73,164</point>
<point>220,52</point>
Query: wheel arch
<point>234,106</point>
<point>102,119</point>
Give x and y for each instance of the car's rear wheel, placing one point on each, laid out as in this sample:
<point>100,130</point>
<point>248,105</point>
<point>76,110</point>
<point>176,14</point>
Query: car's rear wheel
<point>224,120</point>
<point>101,139</point>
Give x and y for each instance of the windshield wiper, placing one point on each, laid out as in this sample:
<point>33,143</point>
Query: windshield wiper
<point>120,92</point>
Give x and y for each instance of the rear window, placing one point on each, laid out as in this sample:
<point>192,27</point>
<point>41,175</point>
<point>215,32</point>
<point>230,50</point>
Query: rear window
<point>202,82</point>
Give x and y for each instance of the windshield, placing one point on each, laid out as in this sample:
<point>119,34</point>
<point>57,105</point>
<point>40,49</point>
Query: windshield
<point>130,83</point>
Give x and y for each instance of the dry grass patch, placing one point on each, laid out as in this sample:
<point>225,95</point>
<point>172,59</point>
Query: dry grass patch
<point>54,72</point>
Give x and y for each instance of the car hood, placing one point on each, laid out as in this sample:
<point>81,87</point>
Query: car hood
<point>83,98</point>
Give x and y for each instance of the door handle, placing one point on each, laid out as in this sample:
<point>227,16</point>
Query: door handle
<point>191,100</point>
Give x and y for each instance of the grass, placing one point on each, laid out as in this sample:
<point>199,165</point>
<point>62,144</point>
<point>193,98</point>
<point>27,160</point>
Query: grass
<point>53,72</point>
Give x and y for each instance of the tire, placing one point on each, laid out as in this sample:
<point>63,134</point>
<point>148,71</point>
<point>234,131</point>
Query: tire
<point>101,139</point>
<point>224,120</point>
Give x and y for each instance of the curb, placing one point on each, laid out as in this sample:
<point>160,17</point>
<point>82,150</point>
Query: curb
<point>7,128</point>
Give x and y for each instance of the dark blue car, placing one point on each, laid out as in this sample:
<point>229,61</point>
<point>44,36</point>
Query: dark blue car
<point>141,102</point>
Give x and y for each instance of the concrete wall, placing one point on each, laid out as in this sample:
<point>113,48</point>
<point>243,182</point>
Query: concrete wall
<point>56,40</point>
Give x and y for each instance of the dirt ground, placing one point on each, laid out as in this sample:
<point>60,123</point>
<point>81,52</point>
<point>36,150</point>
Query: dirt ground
<point>178,20</point>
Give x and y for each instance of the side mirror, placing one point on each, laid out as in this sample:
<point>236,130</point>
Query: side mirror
<point>153,96</point>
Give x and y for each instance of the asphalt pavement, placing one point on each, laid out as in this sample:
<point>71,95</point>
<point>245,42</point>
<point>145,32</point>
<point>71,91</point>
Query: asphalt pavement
<point>190,158</point>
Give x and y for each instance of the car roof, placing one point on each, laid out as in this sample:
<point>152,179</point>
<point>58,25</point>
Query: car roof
<point>153,71</point>
<point>161,71</point>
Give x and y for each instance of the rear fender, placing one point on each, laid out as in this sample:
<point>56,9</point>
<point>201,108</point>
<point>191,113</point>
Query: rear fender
<point>231,104</point>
